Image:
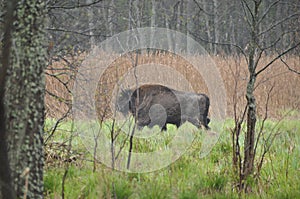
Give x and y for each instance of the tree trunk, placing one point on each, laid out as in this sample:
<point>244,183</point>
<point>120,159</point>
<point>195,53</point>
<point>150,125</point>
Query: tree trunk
<point>249,155</point>
<point>169,35</point>
<point>207,8</point>
<point>179,25</point>
<point>232,35</point>
<point>216,25</point>
<point>90,17</point>
<point>138,21</point>
<point>24,100</point>
<point>6,190</point>
<point>153,21</point>
<point>250,134</point>
<point>111,18</point>
<point>189,24</point>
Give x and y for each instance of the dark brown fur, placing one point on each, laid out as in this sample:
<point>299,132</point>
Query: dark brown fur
<point>159,105</point>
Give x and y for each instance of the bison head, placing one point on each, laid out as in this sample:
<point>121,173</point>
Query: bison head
<point>122,101</point>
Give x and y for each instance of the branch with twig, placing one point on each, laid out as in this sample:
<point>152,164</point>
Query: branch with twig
<point>78,5</point>
<point>276,58</point>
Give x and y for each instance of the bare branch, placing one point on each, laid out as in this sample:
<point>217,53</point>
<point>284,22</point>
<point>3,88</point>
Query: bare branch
<point>267,11</point>
<point>244,3</point>
<point>263,122</point>
<point>273,44</point>
<point>201,9</point>
<point>278,23</point>
<point>221,43</point>
<point>69,147</point>
<point>136,113</point>
<point>75,6</point>
<point>290,69</point>
<point>276,58</point>
<point>56,125</point>
<point>56,76</point>
<point>268,79</point>
<point>73,31</point>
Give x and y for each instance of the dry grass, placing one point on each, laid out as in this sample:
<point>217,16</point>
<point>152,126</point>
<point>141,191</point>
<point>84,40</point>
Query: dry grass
<point>284,96</point>
<point>60,75</point>
<point>282,84</point>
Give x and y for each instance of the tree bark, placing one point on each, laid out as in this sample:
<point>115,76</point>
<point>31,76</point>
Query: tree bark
<point>90,17</point>
<point>249,155</point>
<point>207,8</point>
<point>216,25</point>
<point>153,22</point>
<point>250,134</point>
<point>189,24</point>
<point>24,100</point>
<point>6,190</point>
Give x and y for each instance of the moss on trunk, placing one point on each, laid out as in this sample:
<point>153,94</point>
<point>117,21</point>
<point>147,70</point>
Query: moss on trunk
<point>24,99</point>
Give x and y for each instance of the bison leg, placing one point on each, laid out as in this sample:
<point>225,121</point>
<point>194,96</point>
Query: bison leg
<point>142,122</point>
<point>141,125</point>
<point>192,120</point>
<point>205,126</point>
<point>207,120</point>
<point>204,121</point>
<point>164,128</point>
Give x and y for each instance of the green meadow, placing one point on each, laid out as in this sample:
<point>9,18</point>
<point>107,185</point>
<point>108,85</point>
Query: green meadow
<point>70,166</point>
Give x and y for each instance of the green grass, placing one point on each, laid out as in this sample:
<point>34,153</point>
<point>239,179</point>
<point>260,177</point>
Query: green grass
<point>189,176</point>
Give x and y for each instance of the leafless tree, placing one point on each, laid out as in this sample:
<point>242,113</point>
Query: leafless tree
<point>255,14</point>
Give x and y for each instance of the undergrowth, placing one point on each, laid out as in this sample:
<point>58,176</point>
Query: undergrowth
<point>188,177</point>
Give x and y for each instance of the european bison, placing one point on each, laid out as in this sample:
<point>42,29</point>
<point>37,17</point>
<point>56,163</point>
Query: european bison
<point>159,105</point>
